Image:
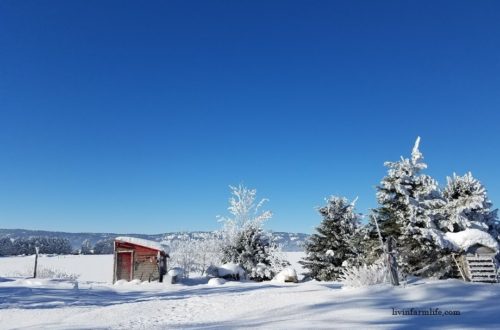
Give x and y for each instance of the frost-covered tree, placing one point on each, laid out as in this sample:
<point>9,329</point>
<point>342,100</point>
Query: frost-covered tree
<point>183,255</point>
<point>467,206</point>
<point>244,212</point>
<point>86,247</point>
<point>208,253</point>
<point>333,245</point>
<point>409,203</point>
<point>248,248</point>
<point>245,242</point>
<point>195,255</point>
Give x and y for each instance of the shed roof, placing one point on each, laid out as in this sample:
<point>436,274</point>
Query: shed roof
<point>465,239</point>
<point>142,242</point>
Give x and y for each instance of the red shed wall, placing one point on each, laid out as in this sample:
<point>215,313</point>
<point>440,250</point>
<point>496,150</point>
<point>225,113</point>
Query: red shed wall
<point>144,261</point>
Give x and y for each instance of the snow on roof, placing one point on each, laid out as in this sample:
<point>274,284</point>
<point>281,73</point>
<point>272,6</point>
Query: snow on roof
<point>142,242</point>
<point>465,239</point>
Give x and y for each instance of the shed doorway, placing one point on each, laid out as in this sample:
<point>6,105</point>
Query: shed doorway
<point>124,266</point>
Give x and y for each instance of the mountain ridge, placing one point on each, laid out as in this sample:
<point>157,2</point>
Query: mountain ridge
<point>289,241</point>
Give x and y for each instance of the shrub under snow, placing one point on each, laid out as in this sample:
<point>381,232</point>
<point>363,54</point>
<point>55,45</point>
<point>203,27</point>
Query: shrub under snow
<point>286,275</point>
<point>231,271</point>
<point>176,271</point>
<point>47,273</point>
<point>364,275</point>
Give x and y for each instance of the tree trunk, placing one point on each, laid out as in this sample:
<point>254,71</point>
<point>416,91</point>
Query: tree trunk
<point>391,260</point>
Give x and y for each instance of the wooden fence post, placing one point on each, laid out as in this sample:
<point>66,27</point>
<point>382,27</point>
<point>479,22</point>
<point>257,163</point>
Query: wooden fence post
<point>392,266</point>
<point>391,260</point>
<point>37,249</point>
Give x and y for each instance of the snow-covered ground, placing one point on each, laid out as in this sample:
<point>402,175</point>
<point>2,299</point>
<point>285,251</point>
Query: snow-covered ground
<point>98,268</point>
<point>93,302</point>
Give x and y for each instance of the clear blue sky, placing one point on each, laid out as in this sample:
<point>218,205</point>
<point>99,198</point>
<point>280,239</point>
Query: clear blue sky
<point>129,116</point>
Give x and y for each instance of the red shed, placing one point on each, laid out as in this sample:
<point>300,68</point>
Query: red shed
<point>140,259</point>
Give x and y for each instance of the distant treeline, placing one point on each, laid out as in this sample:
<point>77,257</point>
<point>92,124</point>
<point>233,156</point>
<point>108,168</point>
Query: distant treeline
<point>51,245</point>
<point>103,246</point>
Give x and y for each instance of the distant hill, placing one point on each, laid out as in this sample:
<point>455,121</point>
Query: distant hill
<point>289,241</point>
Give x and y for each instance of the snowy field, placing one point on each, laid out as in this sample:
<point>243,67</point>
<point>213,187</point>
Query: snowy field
<point>92,302</point>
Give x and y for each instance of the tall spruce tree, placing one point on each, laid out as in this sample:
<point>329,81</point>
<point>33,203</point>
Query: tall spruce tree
<point>409,203</point>
<point>328,250</point>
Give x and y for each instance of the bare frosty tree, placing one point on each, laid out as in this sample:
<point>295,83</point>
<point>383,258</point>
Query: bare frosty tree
<point>196,255</point>
<point>245,211</point>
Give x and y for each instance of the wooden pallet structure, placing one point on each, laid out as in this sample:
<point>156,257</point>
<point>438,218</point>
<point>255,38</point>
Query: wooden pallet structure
<point>479,265</point>
<point>482,268</point>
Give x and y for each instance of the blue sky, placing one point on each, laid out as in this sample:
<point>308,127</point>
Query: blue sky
<point>129,116</point>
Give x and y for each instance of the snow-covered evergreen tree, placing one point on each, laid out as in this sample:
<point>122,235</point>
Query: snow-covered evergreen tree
<point>467,206</point>
<point>249,248</point>
<point>104,246</point>
<point>6,246</point>
<point>48,245</point>
<point>409,203</point>
<point>245,242</point>
<point>333,245</point>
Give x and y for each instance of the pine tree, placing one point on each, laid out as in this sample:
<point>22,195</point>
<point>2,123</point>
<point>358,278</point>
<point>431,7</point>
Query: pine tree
<point>248,249</point>
<point>467,206</point>
<point>333,244</point>
<point>409,203</point>
<point>6,246</point>
<point>104,246</point>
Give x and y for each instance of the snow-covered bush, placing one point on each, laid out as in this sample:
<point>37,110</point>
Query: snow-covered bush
<point>176,271</point>
<point>216,281</point>
<point>261,272</point>
<point>175,274</point>
<point>286,275</point>
<point>364,275</point>
<point>212,271</point>
<point>277,259</point>
<point>231,271</point>
<point>47,273</point>
<point>54,273</point>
